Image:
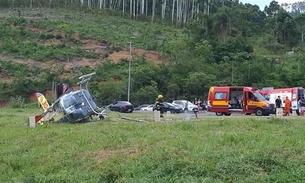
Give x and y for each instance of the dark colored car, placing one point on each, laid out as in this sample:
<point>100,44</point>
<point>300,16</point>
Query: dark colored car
<point>171,107</point>
<point>139,107</point>
<point>121,106</point>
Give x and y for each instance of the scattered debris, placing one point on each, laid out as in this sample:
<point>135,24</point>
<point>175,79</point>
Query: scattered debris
<point>131,119</point>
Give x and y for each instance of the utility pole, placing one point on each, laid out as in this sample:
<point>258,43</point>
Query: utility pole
<point>232,74</point>
<point>129,68</point>
<point>299,62</point>
<point>249,70</point>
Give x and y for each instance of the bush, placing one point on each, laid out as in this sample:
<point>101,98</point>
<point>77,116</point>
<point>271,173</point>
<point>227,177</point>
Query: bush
<point>58,36</point>
<point>17,102</point>
<point>50,36</point>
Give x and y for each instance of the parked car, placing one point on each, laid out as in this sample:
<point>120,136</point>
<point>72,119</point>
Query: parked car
<point>185,104</point>
<point>121,106</point>
<point>147,108</point>
<point>171,107</point>
<point>140,106</point>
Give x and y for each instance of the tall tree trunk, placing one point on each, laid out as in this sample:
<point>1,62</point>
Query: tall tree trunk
<point>153,10</point>
<point>208,11</point>
<point>163,9</point>
<point>192,13</point>
<point>89,4</point>
<point>138,7</point>
<point>146,8</point>
<point>198,11</point>
<point>142,6</point>
<point>123,7</point>
<point>179,12</point>
<point>185,11</point>
<point>130,6</point>
<point>173,11</point>
<point>134,8</point>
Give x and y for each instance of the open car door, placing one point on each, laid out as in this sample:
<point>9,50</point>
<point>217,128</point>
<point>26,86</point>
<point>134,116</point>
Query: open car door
<point>245,102</point>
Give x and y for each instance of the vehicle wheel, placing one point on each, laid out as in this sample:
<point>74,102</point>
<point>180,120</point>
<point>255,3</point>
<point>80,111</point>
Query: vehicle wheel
<point>219,113</point>
<point>227,114</point>
<point>258,112</point>
<point>121,110</point>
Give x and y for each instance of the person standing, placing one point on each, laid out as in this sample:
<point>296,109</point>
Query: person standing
<point>287,106</point>
<point>278,102</point>
<point>159,105</point>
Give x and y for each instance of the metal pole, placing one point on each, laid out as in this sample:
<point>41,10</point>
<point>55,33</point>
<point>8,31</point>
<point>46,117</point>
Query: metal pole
<point>232,74</point>
<point>249,71</point>
<point>129,67</point>
<point>299,62</point>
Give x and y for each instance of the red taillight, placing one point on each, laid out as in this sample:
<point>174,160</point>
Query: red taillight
<point>124,106</point>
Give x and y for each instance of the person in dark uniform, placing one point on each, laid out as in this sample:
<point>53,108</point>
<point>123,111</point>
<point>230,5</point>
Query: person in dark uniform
<point>159,105</point>
<point>278,102</point>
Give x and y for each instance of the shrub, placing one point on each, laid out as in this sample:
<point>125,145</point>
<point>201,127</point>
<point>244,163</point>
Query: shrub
<point>17,102</point>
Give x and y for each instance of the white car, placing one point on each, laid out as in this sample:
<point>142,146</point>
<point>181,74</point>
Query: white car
<point>147,108</point>
<point>185,104</point>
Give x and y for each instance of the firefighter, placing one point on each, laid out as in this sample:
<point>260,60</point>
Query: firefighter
<point>159,105</point>
<point>287,107</point>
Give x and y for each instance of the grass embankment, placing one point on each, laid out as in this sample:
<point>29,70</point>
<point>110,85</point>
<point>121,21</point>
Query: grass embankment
<point>211,149</point>
<point>29,33</point>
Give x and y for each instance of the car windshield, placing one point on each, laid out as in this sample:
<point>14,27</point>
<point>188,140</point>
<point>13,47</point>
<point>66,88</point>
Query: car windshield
<point>259,96</point>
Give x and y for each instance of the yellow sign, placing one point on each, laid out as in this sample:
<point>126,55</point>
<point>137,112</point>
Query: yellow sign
<point>44,103</point>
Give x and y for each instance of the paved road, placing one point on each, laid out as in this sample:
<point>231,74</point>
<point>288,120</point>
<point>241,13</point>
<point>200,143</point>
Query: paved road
<point>212,114</point>
<point>201,113</point>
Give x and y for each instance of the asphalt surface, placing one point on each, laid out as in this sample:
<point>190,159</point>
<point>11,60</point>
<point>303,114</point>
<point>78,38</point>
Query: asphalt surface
<point>212,114</point>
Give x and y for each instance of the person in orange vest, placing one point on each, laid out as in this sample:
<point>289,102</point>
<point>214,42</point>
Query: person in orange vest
<point>287,107</point>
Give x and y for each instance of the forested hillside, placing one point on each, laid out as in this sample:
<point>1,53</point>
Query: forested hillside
<point>179,47</point>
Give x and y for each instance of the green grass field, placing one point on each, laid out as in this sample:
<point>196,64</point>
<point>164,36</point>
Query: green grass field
<point>209,149</point>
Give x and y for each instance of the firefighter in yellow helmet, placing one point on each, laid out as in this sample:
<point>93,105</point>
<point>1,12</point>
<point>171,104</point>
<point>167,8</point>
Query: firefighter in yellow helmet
<point>159,105</point>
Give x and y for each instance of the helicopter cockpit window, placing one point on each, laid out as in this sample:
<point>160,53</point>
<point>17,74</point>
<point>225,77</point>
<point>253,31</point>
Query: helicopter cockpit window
<point>69,101</point>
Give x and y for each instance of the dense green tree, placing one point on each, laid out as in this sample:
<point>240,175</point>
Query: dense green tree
<point>300,20</point>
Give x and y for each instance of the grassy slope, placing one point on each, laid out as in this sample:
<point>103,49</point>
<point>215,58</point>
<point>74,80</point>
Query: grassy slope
<point>100,26</point>
<point>221,149</point>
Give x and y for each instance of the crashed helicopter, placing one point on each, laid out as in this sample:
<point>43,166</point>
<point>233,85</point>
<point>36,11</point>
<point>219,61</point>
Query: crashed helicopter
<point>70,105</point>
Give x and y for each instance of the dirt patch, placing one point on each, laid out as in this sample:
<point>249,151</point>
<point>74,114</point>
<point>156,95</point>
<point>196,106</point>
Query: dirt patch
<point>117,56</point>
<point>103,154</point>
<point>53,42</point>
<point>96,48</point>
<point>76,62</point>
<point>149,55</point>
